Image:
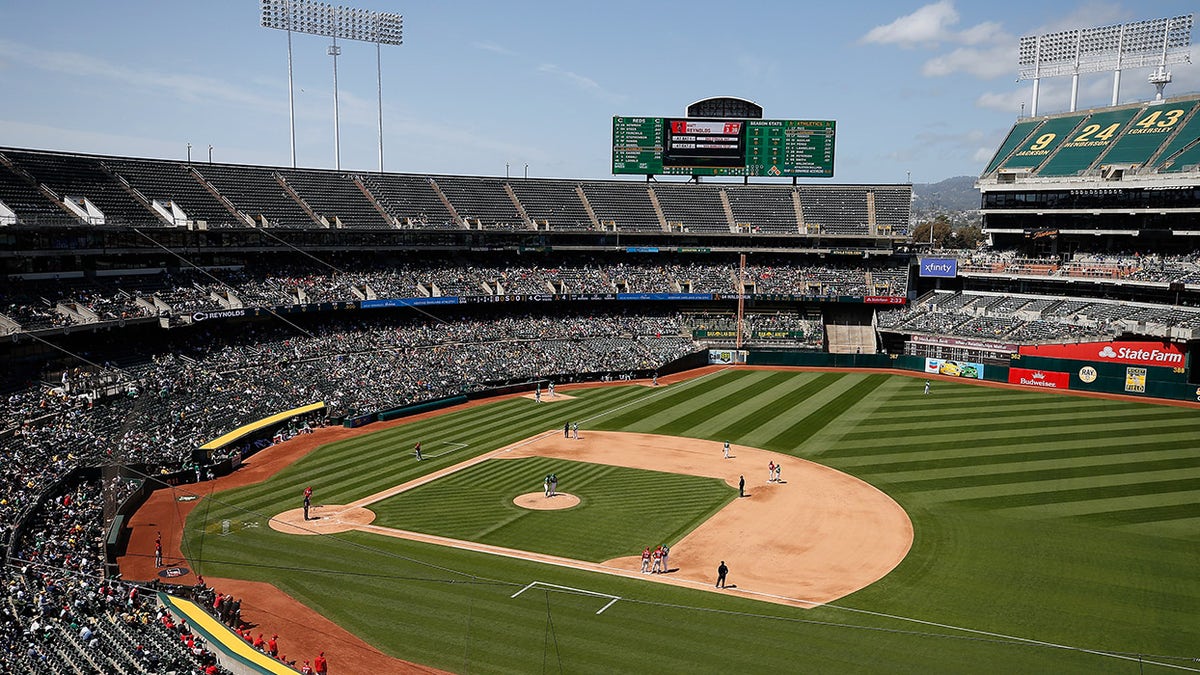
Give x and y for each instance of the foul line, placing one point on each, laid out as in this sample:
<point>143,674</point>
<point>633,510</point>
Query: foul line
<point>460,446</point>
<point>571,589</point>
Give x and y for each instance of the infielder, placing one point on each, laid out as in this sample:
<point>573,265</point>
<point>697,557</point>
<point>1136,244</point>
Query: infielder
<point>726,449</point>
<point>646,560</point>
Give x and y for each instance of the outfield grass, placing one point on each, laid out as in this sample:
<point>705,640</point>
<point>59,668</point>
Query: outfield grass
<point>476,504</point>
<point>1071,521</point>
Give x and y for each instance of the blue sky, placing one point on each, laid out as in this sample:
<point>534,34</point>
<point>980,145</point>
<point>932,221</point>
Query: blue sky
<point>926,88</point>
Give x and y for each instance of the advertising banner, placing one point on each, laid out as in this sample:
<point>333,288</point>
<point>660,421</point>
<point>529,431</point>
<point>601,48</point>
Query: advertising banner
<point>409,302</point>
<point>945,268</point>
<point>1045,379</point>
<point>967,343</point>
<point>1135,380</point>
<point>726,357</point>
<point>953,368</point>
<point>1134,353</point>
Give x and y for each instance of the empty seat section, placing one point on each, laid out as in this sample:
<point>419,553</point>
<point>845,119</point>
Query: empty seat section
<point>696,208</point>
<point>1097,133</point>
<point>1016,135</point>
<point>835,210</point>
<point>1151,127</point>
<point>763,208</point>
<point>331,194</point>
<point>30,205</point>
<point>76,177</point>
<point>1042,142</point>
<point>553,201</point>
<point>410,199</point>
<point>482,199</point>
<point>255,192</point>
<point>173,182</point>
<point>627,205</point>
<point>893,209</point>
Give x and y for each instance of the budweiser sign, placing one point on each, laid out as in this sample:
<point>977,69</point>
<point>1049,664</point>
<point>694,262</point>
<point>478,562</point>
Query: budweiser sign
<point>1129,352</point>
<point>1044,379</point>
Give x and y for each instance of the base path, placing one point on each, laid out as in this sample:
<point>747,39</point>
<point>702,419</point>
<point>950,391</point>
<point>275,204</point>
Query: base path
<point>815,536</point>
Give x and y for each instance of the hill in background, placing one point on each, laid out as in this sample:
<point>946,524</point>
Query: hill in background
<point>955,195</point>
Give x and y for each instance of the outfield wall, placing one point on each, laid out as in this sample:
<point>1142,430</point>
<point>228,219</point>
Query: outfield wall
<point>1034,372</point>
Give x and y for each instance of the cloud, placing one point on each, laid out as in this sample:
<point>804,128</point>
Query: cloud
<point>1005,101</point>
<point>488,46</point>
<point>985,64</point>
<point>987,51</point>
<point>580,82</point>
<point>190,88</point>
<point>929,24</point>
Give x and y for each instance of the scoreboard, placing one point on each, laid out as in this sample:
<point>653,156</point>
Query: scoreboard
<point>723,147</point>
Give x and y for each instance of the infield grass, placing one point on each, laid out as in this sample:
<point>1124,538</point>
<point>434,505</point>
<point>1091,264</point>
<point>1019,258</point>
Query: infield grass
<point>1072,522</point>
<point>476,504</point>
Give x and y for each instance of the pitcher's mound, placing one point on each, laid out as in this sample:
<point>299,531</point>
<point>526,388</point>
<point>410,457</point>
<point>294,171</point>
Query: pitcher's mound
<point>538,501</point>
<point>324,519</point>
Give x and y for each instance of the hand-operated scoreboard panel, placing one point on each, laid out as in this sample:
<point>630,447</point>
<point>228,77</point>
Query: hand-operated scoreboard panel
<point>723,147</point>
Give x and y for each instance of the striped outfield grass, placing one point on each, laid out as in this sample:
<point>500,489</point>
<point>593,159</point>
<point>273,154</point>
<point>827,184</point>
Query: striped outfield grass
<point>476,504</point>
<point>1070,521</point>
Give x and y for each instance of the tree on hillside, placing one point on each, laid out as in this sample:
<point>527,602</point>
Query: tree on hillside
<point>941,232</point>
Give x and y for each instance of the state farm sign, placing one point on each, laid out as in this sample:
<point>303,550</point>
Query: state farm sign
<point>1128,352</point>
<point>1044,379</point>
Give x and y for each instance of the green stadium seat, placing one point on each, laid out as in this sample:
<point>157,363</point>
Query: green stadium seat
<point>1019,133</point>
<point>1151,127</point>
<point>1167,159</point>
<point>1043,142</point>
<point>1096,135</point>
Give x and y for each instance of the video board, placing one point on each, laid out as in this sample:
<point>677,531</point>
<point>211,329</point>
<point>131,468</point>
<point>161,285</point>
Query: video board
<point>723,147</point>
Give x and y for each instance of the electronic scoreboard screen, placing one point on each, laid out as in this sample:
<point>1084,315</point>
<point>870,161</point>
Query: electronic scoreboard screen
<point>704,143</point>
<point>723,147</point>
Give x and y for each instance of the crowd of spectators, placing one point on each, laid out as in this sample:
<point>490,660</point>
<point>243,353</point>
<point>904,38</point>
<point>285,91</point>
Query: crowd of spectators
<point>62,614</point>
<point>32,305</point>
<point>1032,320</point>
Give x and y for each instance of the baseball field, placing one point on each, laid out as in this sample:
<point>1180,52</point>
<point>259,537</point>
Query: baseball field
<point>1049,533</point>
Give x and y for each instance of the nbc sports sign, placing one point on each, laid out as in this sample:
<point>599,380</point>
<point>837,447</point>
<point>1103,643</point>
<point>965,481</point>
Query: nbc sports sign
<point>1134,353</point>
<point>1044,379</point>
<point>939,267</point>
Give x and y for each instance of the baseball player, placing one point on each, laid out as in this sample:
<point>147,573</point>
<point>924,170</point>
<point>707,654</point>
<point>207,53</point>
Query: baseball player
<point>778,470</point>
<point>646,560</point>
<point>771,472</point>
<point>656,561</point>
<point>537,394</point>
<point>553,485</point>
<point>575,429</point>
<point>551,388</point>
<point>307,500</point>
<point>546,485</point>
<point>566,429</point>
<point>417,451</point>
<point>926,386</point>
<point>158,550</point>
<point>666,550</point>
<point>726,449</point>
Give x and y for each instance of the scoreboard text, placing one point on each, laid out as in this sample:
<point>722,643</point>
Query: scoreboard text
<point>711,147</point>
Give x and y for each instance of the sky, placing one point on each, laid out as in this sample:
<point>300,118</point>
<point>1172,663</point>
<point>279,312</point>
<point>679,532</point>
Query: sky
<point>919,91</point>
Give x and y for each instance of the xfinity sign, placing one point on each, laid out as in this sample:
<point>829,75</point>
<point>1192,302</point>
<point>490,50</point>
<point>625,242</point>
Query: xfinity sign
<point>946,268</point>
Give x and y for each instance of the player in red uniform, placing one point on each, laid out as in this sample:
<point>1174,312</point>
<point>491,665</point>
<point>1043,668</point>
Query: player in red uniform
<point>646,560</point>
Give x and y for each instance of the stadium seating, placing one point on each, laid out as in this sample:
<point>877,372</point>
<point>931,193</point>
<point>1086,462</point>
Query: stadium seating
<point>622,205</point>
<point>336,197</point>
<point>552,202</point>
<point>692,208</point>
<point>30,205</point>
<point>767,209</point>
<point>257,192</point>
<point>835,210</point>
<point>409,199</point>
<point>78,178</point>
<point>175,182</point>
<point>481,201</point>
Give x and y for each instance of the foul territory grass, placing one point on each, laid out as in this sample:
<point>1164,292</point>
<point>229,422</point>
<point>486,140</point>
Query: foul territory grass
<point>1073,523</point>
<point>621,510</point>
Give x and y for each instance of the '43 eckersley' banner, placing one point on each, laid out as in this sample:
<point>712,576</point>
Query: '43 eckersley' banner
<point>1134,353</point>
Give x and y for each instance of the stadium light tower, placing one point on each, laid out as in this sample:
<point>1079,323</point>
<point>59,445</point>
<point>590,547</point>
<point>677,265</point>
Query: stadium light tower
<point>348,23</point>
<point>1141,44</point>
